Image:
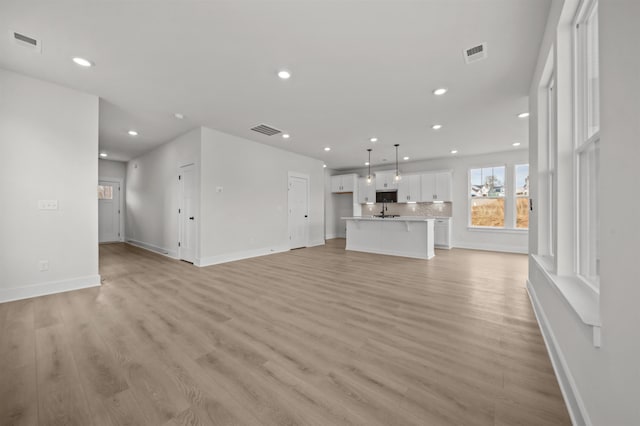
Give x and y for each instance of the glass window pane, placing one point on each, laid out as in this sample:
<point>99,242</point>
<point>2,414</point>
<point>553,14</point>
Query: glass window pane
<point>592,75</point>
<point>487,212</point>
<point>522,180</point>
<point>105,192</point>
<point>588,212</point>
<point>522,212</point>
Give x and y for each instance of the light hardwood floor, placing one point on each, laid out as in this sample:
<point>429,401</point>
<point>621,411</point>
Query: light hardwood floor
<point>315,336</point>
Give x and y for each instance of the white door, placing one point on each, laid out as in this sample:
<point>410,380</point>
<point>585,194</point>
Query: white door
<point>108,211</point>
<point>298,211</point>
<point>187,214</point>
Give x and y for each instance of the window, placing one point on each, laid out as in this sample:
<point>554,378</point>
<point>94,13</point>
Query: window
<point>105,192</point>
<point>587,145</point>
<point>522,196</point>
<point>486,193</point>
<point>551,164</point>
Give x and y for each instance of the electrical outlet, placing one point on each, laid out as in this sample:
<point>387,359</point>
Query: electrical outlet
<point>43,265</point>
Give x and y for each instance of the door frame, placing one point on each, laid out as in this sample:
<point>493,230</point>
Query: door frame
<point>120,182</point>
<point>196,249</point>
<point>306,177</point>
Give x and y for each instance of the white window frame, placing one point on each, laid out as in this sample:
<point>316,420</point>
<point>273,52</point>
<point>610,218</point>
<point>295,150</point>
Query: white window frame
<point>583,143</point>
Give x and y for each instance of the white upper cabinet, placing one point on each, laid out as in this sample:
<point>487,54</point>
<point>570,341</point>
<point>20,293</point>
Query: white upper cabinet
<point>366,191</point>
<point>343,183</point>
<point>435,186</point>
<point>409,189</point>
<point>385,181</point>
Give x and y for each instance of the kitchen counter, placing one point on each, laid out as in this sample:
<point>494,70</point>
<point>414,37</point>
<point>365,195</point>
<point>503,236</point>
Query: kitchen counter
<point>408,236</point>
<point>397,219</point>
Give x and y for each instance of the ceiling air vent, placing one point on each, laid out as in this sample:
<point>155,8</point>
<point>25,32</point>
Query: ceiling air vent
<point>26,41</point>
<point>475,53</point>
<point>266,130</point>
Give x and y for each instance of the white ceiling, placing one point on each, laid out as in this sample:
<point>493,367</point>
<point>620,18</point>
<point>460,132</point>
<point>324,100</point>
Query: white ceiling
<point>360,69</point>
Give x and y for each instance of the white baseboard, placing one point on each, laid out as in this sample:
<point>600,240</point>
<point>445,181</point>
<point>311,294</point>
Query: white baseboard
<point>316,243</point>
<point>231,257</point>
<point>492,247</point>
<point>573,400</point>
<point>330,236</point>
<point>50,287</point>
<point>161,250</point>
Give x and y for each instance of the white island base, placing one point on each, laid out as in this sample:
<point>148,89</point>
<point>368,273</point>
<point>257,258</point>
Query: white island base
<point>410,236</point>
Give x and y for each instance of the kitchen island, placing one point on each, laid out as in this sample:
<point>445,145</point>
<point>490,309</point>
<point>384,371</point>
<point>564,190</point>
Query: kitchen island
<point>409,236</point>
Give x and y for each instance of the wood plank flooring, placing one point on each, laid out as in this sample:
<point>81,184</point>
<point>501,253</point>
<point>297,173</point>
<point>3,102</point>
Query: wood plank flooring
<point>316,336</point>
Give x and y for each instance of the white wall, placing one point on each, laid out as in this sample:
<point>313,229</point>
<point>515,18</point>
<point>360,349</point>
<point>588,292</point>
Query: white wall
<point>112,169</point>
<point>152,193</point>
<point>48,151</point>
<point>502,240</point>
<point>249,217</point>
<point>603,383</point>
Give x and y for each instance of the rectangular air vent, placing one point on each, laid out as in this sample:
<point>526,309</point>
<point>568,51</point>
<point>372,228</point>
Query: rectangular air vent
<point>26,41</point>
<point>475,53</point>
<point>266,130</point>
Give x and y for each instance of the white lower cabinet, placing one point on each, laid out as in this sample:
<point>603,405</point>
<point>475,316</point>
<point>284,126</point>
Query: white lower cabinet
<point>442,233</point>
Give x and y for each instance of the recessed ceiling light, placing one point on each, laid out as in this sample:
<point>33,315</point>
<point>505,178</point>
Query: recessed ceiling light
<point>523,115</point>
<point>103,154</point>
<point>405,158</point>
<point>284,74</point>
<point>439,92</point>
<point>324,166</point>
<point>373,139</point>
<point>83,62</point>
<point>285,136</point>
<point>454,151</point>
<point>436,126</point>
<point>366,163</point>
<point>516,144</point>
<point>178,116</point>
<point>327,148</point>
<point>132,133</point>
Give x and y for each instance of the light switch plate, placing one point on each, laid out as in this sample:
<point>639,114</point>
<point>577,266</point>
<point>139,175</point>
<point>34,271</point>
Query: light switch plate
<point>47,204</point>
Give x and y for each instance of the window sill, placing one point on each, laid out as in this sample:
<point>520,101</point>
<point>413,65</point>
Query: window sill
<point>501,230</point>
<point>582,298</point>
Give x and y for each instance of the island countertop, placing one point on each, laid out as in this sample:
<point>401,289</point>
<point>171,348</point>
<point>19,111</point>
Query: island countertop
<point>389,219</point>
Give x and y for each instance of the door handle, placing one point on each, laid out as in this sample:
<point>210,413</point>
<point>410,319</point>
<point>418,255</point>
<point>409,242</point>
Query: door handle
<point>306,215</point>
<point>191,218</point>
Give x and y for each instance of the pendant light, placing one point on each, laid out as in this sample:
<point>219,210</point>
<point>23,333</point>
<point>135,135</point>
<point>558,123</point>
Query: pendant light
<point>397,166</point>
<point>369,164</point>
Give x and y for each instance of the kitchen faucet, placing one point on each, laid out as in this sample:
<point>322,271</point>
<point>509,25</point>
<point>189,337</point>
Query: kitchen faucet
<point>384,207</point>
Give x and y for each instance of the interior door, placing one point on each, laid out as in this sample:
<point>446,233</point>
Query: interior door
<point>298,211</point>
<point>187,214</point>
<point>108,211</point>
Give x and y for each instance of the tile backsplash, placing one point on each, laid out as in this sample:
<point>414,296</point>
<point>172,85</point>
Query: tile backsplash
<point>403,209</point>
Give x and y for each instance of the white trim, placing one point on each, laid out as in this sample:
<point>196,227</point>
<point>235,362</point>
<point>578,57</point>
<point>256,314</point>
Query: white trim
<point>583,299</point>
<point>493,247</point>
<point>315,243</point>
<point>121,207</point>
<point>239,255</point>
<point>572,398</point>
<point>367,249</point>
<point>331,236</point>
<point>156,249</point>
<point>50,287</point>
